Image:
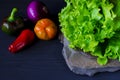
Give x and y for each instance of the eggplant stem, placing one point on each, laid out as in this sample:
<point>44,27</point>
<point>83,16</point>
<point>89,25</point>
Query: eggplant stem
<point>11,17</point>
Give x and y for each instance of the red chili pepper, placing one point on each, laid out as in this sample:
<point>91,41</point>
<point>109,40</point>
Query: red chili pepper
<point>24,39</point>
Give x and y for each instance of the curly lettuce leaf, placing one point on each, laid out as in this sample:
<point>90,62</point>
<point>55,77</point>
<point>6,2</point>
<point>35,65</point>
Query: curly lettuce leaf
<point>91,24</point>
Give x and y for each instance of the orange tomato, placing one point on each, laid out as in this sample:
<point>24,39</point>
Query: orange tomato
<point>45,29</point>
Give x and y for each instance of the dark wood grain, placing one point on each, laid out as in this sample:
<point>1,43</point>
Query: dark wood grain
<point>43,60</point>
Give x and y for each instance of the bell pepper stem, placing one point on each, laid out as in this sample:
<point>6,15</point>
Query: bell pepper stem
<point>11,17</point>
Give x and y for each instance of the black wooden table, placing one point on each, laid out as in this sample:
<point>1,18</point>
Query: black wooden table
<point>43,60</point>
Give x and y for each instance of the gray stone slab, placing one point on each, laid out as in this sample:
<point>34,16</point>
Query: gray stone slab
<point>84,64</point>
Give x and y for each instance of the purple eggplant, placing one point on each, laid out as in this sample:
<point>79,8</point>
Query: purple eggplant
<point>36,10</point>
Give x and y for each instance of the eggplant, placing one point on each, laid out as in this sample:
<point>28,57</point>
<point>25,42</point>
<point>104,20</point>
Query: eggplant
<point>36,10</point>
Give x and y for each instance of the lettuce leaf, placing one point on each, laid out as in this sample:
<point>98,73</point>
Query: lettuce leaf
<point>92,26</point>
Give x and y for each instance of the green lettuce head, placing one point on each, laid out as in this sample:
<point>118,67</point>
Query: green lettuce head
<point>93,26</point>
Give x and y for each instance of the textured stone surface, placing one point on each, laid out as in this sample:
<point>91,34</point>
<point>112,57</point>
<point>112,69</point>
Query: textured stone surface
<point>84,64</point>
